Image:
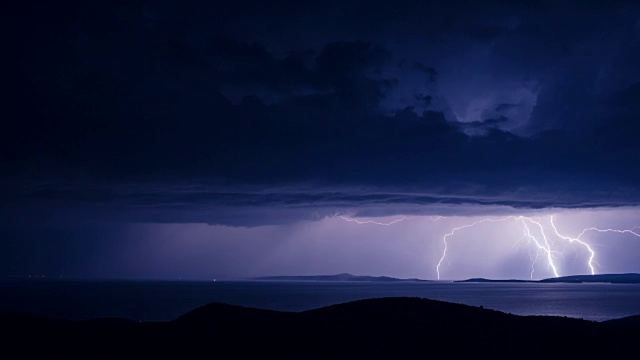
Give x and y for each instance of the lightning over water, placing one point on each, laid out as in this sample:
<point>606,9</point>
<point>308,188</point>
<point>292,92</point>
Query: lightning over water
<point>541,234</point>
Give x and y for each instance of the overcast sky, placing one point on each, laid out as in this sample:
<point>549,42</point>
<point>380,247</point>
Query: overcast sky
<point>193,139</point>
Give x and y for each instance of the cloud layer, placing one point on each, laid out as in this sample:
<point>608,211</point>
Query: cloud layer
<point>161,106</point>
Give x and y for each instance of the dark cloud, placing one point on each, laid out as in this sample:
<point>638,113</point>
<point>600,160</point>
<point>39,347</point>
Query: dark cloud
<point>431,72</point>
<point>246,114</point>
<point>150,94</point>
<point>505,107</point>
<point>63,204</point>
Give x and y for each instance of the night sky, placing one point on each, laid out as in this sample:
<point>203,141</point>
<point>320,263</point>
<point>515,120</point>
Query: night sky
<point>227,139</point>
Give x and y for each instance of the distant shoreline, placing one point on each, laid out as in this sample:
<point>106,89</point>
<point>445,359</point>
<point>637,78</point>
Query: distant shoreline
<point>630,278</point>
<point>344,277</point>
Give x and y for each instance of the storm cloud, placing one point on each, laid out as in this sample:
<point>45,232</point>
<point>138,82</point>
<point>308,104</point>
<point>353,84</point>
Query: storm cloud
<point>254,120</point>
<point>503,104</point>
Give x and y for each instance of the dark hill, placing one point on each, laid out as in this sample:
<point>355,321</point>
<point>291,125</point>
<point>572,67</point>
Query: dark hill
<point>220,312</point>
<point>386,327</point>
<point>630,278</point>
<point>601,278</point>
<point>629,322</point>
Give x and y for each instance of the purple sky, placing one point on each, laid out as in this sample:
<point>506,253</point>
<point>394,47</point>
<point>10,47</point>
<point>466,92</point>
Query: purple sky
<point>221,139</point>
<point>410,248</point>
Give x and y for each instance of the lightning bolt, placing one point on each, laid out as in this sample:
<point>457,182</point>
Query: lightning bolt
<point>543,244</point>
<point>577,239</point>
<point>546,248</point>
<point>375,222</point>
<point>589,249</point>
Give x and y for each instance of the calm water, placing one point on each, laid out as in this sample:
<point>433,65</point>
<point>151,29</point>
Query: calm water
<point>155,300</point>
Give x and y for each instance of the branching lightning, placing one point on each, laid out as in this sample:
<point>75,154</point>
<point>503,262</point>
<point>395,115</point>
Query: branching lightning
<point>591,252</point>
<point>360,222</point>
<point>543,244</point>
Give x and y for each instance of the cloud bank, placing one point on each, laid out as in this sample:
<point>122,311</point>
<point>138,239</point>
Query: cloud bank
<point>149,107</point>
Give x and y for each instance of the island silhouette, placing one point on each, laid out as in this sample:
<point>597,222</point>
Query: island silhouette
<point>337,277</point>
<point>629,278</point>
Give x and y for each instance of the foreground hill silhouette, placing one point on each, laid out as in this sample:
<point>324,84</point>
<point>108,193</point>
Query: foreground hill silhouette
<point>386,327</point>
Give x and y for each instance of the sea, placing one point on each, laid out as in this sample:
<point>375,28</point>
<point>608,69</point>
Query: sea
<point>167,300</point>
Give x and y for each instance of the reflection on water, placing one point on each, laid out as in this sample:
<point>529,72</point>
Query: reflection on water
<point>156,300</point>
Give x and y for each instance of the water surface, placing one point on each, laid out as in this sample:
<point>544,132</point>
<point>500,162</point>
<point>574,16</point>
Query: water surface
<point>163,300</point>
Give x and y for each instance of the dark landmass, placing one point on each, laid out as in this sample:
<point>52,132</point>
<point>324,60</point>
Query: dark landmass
<point>603,278</point>
<point>630,278</point>
<point>630,321</point>
<point>338,277</point>
<point>374,328</point>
